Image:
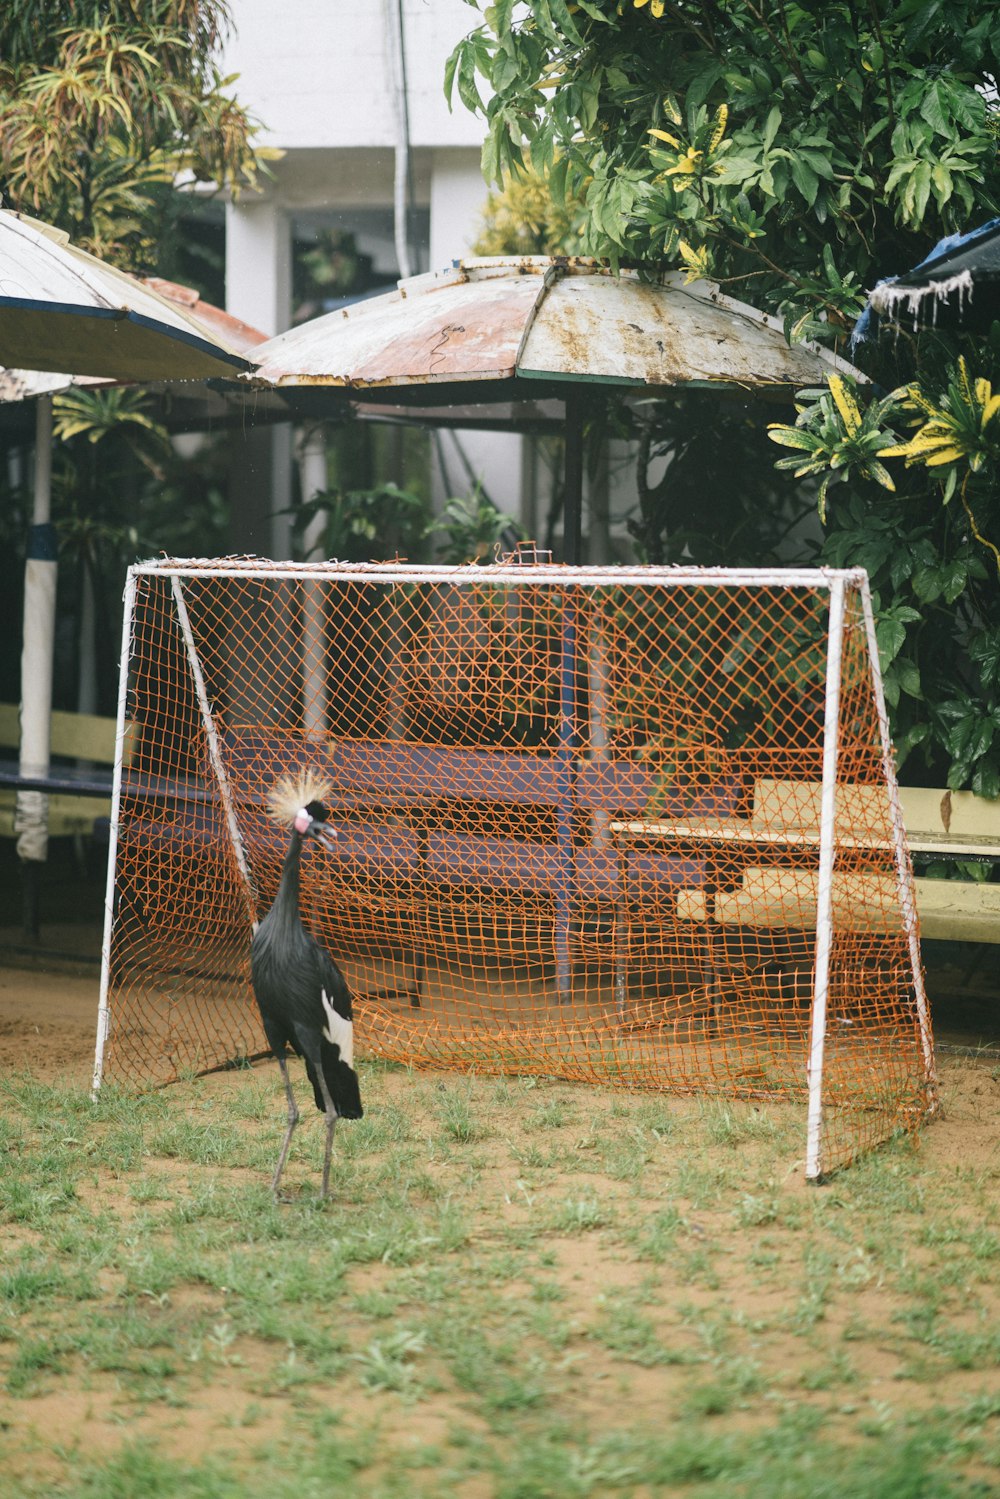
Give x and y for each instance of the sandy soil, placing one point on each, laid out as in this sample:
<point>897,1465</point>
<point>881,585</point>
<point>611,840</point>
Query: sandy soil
<point>48,1026</point>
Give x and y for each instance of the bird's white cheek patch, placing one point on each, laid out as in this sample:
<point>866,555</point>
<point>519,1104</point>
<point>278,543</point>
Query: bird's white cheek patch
<point>339,1032</point>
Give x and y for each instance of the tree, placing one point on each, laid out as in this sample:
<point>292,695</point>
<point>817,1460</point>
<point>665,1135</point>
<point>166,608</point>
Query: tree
<point>798,153</point>
<point>524,218</point>
<point>104,112</point>
<point>103,108</point>
<point>792,150</point>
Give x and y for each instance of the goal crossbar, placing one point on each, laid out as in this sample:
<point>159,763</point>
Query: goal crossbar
<point>637,826</point>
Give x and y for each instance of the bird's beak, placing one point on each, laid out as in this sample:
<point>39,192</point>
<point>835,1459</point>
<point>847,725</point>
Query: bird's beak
<point>325,836</point>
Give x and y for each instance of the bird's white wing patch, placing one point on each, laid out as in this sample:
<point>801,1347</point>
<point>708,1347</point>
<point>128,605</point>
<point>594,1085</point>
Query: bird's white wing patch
<point>338,1031</point>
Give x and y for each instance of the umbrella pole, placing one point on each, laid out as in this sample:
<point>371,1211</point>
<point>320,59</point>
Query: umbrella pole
<point>569,696</point>
<point>573,481</point>
<point>32,808</point>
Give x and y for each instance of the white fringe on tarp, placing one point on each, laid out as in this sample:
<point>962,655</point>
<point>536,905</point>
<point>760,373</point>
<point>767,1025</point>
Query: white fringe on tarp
<point>891,300</point>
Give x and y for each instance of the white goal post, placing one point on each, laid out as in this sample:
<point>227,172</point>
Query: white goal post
<point>636,825</point>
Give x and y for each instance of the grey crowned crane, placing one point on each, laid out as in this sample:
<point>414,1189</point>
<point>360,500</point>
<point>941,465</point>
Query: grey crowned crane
<point>302,995</point>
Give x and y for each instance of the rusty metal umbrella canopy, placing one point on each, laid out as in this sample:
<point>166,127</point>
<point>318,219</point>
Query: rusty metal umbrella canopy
<point>534,329</point>
<point>68,312</point>
<point>157,330</point>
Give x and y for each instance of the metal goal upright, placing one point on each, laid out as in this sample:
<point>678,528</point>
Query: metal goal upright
<point>637,826</point>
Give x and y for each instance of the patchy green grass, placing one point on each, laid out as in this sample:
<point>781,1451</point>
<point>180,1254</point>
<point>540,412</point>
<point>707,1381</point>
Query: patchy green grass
<point>519,1290</point>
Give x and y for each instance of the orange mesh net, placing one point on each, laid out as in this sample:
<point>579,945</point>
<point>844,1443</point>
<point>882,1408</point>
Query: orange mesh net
<point>580,828</point>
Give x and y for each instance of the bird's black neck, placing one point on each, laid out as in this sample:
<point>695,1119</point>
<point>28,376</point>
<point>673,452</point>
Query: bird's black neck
<point>286,902</point>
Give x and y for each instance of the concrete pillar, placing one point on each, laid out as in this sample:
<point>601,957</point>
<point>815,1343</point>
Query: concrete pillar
<point>259,264</point>
<point>458,194</point>
<point>259,290</point>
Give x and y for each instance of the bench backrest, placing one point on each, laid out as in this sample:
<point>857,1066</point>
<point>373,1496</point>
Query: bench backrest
<point>81,736</point>
<point>409,775</point>
<point>797,806</point>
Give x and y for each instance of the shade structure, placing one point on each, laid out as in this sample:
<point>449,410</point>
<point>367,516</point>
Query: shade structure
<point>180,404</point>
<point>24,389</point>
<point>557,321</point>
<point>65,311</point>
<point>516,333</point>
<point>956,286</point>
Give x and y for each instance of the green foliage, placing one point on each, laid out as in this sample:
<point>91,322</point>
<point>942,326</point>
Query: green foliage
<point>101,109</point>
<point>836,439</point>
<point>692,511</point>
<point>526,217</point>
<point>959,430</point>
<point>473,528</point>
<point>379,522</point>
<point>120,491</point>
<point>798,154</point>
<point>793,151</point>
<point>367,525</point>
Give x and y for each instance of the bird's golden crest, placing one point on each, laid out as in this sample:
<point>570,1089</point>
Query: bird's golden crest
<point>294,791</point>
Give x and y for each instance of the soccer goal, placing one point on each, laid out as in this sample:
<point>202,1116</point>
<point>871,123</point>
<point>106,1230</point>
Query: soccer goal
<point>631,826</point>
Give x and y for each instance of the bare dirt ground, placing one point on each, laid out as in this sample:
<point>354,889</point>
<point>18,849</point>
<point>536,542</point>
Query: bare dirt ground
<point>48,1023</point>
<point>48,1011</point>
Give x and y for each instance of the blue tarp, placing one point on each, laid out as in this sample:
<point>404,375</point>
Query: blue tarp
<point>957,286</point>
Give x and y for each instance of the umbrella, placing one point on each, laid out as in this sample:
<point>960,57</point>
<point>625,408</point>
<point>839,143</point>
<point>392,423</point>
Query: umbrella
<point>180,404</point>
<point>519,334</point>
<point>66,311</point>
<point>957,285</point>
<point>160,330</point>
<point>523,335</point>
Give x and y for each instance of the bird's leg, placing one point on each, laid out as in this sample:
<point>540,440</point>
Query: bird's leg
<point>331,1124</point>
<point>293,1119</point>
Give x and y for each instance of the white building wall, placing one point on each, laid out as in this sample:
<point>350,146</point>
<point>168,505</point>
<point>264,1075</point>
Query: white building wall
<point>318,75</point>
<point>457,198</point>
<point>317,72</point>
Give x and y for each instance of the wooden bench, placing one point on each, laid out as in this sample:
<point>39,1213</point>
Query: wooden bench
<point>78,796</point>
<point>412,817</point>
<point>397,806</point>
<point>393,805</point>
<point>940,825</point>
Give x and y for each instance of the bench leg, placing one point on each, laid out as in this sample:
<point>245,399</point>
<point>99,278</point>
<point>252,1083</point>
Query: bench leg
<point>31,884</point>
<point>621,986</point>
<point>418,978</point>
<point>710,975</point>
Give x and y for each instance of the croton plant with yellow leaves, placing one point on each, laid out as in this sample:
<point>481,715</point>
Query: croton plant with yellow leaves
<point>795,154</point>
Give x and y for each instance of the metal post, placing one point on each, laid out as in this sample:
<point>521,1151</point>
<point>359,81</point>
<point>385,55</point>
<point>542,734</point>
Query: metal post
<point>215,754</point>
<point>569,695</point>
<point>31,815</point>
<point>103,1007</point>
<point>313,479</point>
<point>906,896</point>
<point>573,481</point>
<point>569,744</point>
<point>824,901</point>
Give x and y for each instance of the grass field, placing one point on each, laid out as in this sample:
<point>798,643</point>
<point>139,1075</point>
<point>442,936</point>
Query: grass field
<point>519,1289</point>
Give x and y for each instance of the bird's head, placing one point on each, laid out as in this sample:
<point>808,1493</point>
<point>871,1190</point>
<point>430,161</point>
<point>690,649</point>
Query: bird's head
<point>299,802</point>
<point>310,821</point>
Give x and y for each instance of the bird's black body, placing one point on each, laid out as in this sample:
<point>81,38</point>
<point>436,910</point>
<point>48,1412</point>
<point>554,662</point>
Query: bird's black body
<point>290,974</point>
<point>304,1001</point>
